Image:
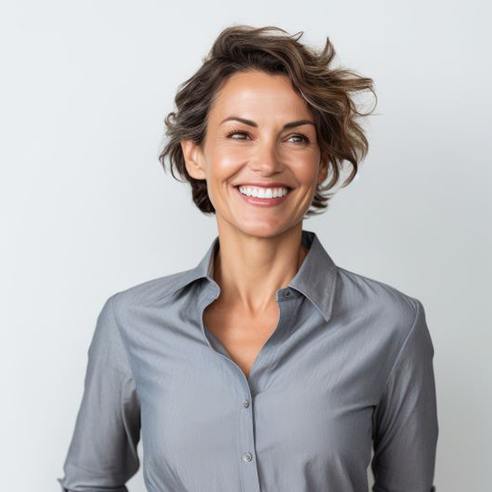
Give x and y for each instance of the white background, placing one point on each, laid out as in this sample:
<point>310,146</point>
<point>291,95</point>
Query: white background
<point>87,210</point>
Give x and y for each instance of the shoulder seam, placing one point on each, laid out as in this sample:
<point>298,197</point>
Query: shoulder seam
<point>403,346</point>
<point>169,290</point>
<point>118,329</point>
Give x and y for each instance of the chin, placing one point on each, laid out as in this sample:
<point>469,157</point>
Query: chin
<point>264,229</point>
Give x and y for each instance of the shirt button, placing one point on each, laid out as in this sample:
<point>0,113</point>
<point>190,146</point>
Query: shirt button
<point>247,457</point>
<point>245,403</point>
<point>287,293</point>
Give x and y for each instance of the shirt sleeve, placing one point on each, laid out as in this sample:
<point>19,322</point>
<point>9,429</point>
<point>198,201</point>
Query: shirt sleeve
<point>102,454</point>
<point>405,421</point>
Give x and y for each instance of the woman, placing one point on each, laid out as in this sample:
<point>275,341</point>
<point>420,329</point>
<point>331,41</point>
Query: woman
<point>266,367</point>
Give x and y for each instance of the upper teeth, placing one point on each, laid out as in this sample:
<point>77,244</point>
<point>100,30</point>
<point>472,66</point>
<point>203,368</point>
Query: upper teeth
<point>263,192</point>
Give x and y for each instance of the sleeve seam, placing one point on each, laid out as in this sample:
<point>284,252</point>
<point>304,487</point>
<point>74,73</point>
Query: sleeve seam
<point>118,329</point>
<point>402,348</point>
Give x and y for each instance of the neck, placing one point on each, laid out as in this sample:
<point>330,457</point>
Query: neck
<point>250,269</point>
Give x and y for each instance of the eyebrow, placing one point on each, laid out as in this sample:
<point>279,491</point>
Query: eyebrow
<point>291,124</point>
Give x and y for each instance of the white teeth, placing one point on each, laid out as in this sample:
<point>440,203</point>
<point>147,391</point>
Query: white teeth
<point>261,192</point>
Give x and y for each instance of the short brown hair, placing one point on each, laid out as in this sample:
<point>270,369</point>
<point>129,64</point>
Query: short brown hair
<point>327,91</point>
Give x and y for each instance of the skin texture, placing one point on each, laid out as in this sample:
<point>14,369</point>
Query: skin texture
<point>260,248</point>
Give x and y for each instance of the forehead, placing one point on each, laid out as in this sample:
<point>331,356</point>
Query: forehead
<point>256,95</point>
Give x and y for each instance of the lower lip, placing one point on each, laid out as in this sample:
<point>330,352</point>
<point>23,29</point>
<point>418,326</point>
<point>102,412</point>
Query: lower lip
<point>263,202</point>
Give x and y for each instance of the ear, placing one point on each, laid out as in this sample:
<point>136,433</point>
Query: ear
<point>323,169</point>
<point>193,158</point>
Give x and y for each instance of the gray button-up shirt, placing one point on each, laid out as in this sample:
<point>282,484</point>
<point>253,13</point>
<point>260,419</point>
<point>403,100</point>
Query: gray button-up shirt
<point>347,371</point>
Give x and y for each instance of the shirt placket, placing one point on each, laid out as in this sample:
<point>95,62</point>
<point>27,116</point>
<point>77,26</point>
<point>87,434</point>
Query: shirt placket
<point>249,387</point>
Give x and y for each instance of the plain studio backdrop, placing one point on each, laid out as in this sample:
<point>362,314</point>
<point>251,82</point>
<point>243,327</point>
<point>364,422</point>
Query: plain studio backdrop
<point>87,209</point>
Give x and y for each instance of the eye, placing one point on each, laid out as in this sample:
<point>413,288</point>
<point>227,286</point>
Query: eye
<point>236,132</point>
<point>303,138</point>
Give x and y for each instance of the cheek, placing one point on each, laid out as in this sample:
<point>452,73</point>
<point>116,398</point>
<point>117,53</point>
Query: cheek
<point>235,155</point>
<point>223,164</point>
<point>221,169</point>
<point>222,150</point>
<point>305,169</point>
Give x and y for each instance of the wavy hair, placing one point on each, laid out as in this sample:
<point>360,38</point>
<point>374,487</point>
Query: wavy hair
<point>327,90</point>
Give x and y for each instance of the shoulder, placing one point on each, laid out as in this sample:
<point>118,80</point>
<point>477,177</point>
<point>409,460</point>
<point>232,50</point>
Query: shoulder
<point>149,293</point>
<point>374,291</point>
<point>388,312</point>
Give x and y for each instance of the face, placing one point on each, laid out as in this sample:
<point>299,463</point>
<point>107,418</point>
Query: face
<point>260,143</point>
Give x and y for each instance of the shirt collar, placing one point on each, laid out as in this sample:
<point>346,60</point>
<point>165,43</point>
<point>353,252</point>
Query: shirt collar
<point>315,279</point>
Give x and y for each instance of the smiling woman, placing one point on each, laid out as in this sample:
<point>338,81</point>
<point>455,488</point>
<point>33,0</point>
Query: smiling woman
<point>322,93</point>
<point>266,367</point>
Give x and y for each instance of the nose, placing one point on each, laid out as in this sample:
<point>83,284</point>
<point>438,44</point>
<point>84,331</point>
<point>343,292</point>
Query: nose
<point>266,160</point>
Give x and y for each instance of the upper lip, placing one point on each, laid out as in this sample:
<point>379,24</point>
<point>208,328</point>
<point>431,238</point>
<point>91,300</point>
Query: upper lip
<point>273,184</point>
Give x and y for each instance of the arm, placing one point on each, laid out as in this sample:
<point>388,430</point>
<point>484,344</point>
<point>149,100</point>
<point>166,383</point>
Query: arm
<point>405,421</point>
<point>103,451</point>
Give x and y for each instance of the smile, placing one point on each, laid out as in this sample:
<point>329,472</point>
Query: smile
<point>262,196</point>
